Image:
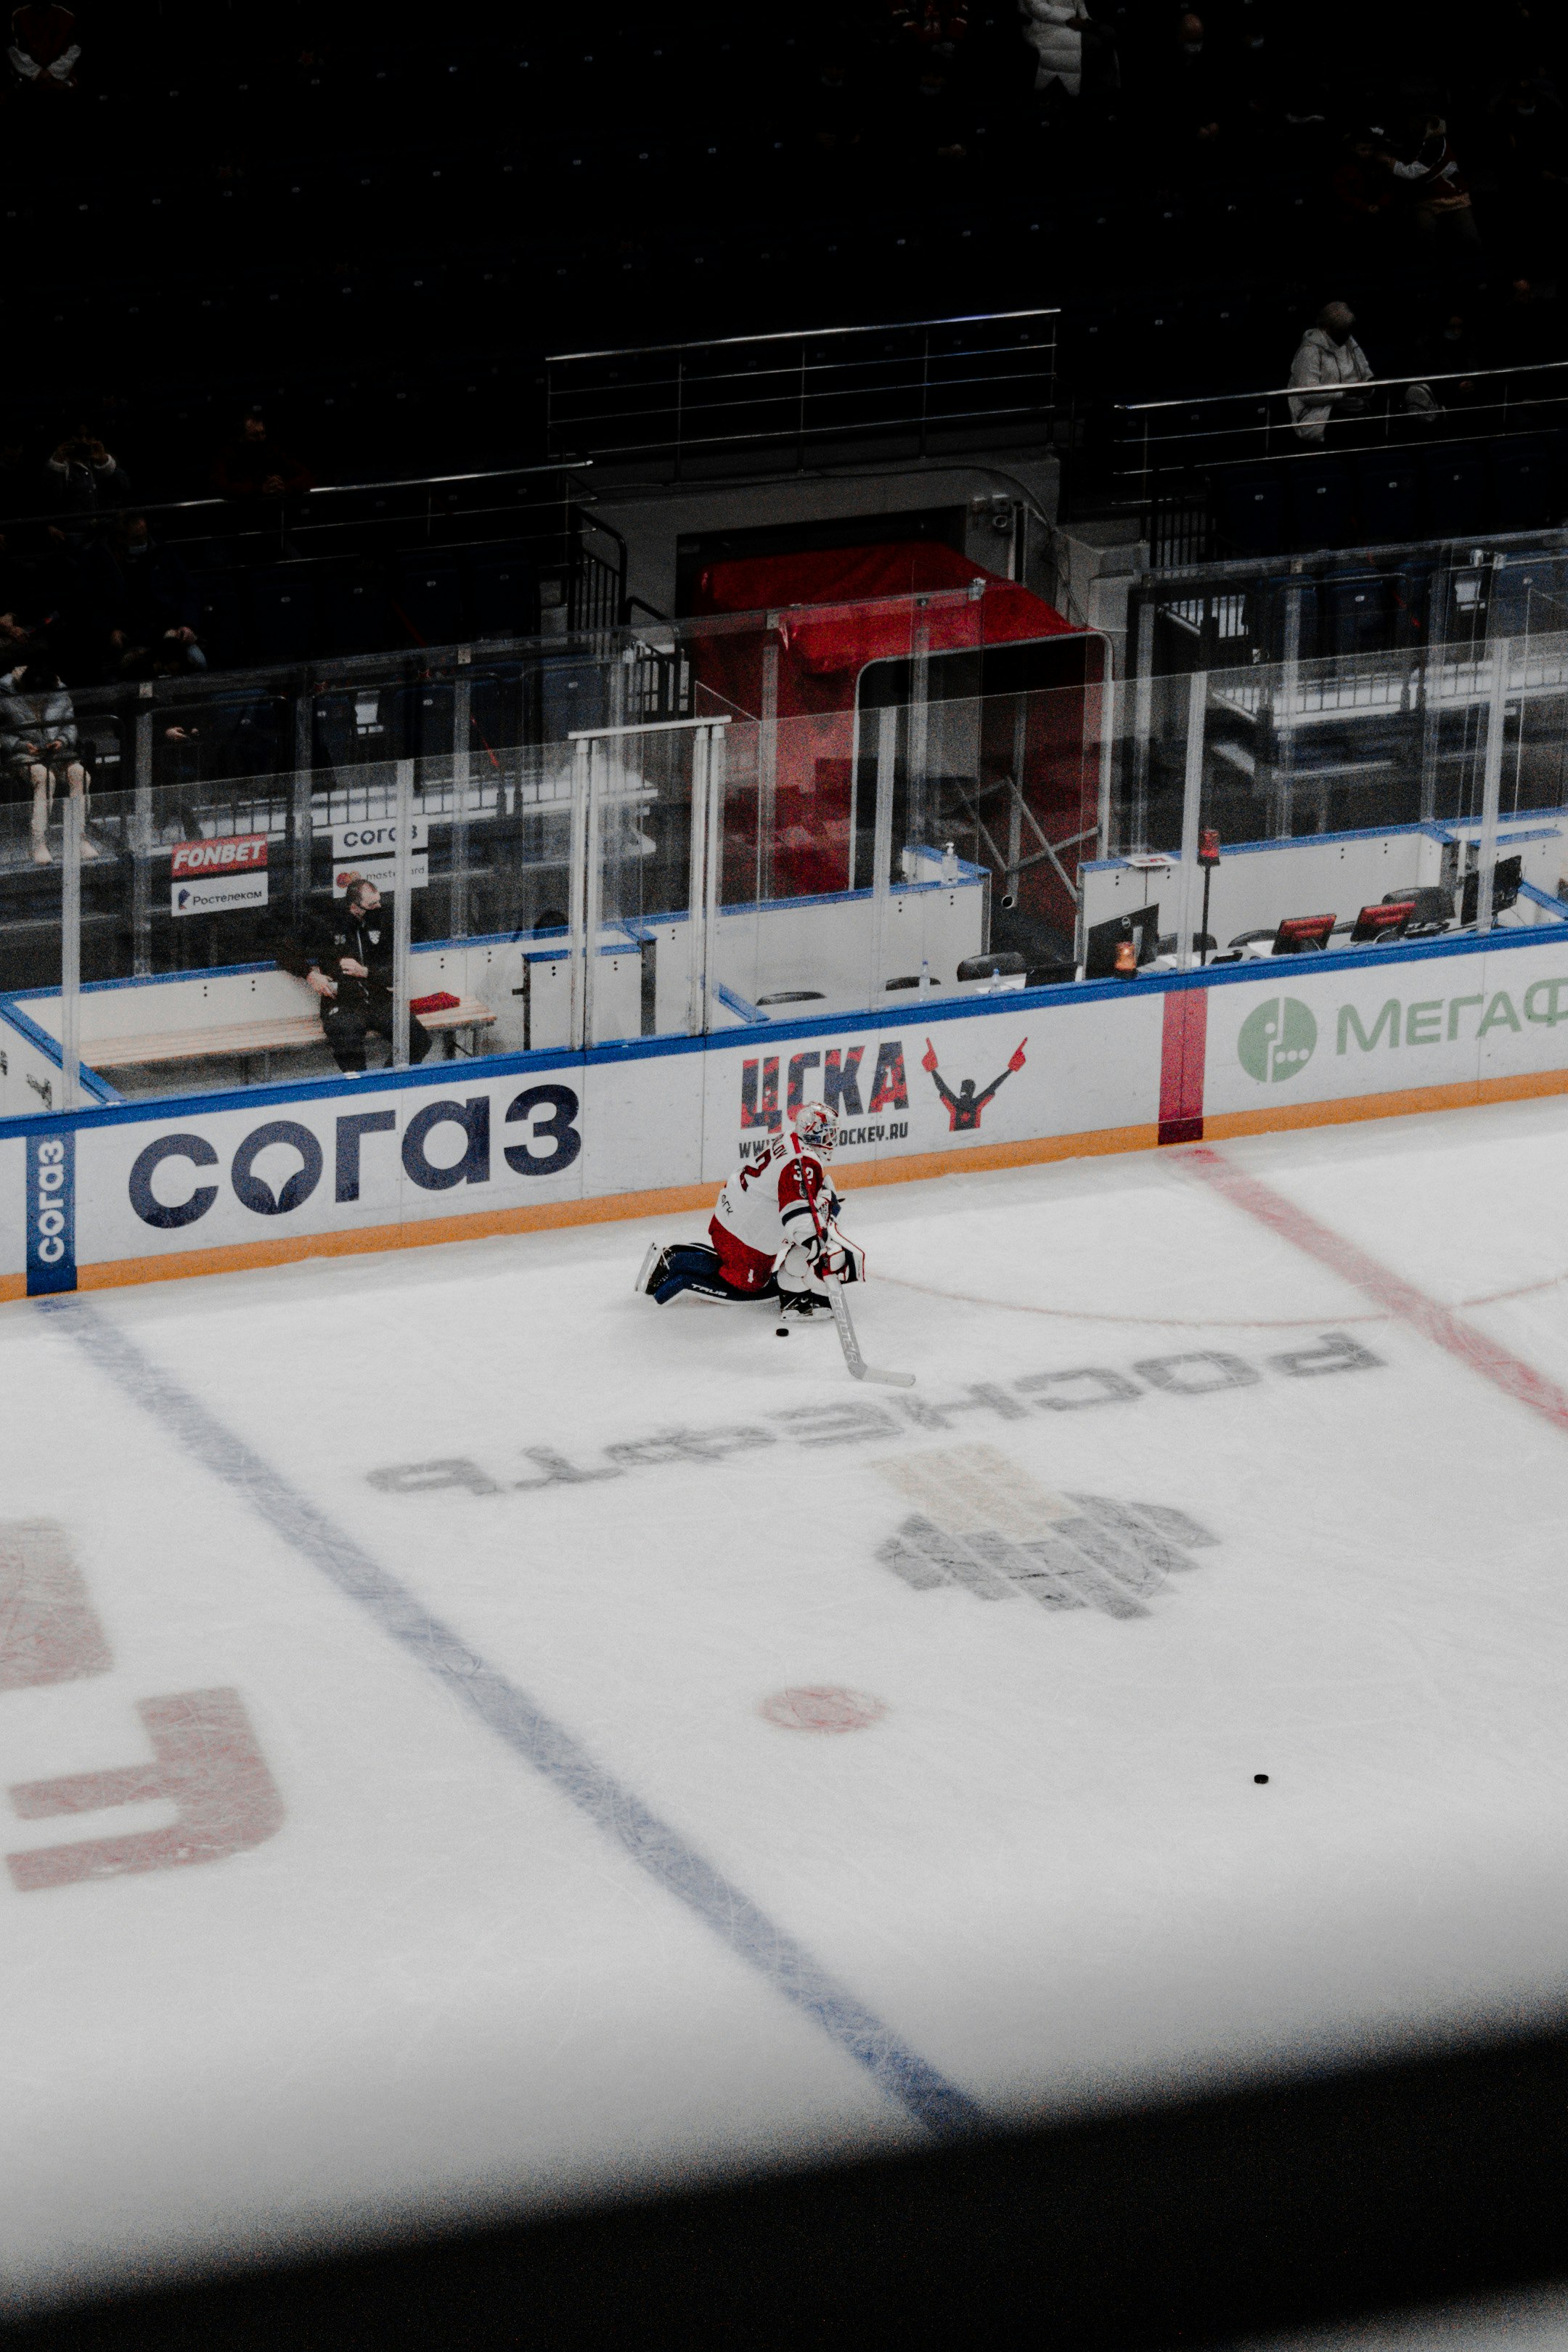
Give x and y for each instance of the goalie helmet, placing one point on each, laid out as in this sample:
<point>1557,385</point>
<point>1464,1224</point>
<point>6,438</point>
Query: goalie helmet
<point>817,1127</point>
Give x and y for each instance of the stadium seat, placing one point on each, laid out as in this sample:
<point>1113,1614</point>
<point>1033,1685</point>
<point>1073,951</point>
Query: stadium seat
<point>1525,485</point>
<point>1356,616</point>
<point>1322,504</point>
<point>1249,510</point>
<point>1387,498</point>
<point>282,613</point>
<point>503,595</point>
<point>1458,492</point>
<point>353,616</point>
<point>427,598</point>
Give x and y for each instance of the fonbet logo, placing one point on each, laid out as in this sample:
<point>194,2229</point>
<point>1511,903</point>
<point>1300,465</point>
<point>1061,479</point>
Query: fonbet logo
<point>1276,1040</point>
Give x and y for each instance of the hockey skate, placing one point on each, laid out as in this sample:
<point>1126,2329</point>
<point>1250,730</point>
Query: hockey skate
<point>655,1266</point>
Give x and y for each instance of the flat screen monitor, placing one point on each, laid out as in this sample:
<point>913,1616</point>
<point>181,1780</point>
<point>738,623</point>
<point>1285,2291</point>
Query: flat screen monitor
<point>1382,922</point>
<point>1507,876</point>
<point>1299,934</point>
<point>1140,924</point>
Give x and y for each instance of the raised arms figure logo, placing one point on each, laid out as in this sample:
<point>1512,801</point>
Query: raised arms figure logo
<point>965,1108</point>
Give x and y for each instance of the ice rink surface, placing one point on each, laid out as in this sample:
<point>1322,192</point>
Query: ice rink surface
<point>474,1736</point>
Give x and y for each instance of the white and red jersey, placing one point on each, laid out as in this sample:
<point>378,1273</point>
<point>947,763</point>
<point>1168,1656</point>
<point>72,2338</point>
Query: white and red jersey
<point>767,1204</point>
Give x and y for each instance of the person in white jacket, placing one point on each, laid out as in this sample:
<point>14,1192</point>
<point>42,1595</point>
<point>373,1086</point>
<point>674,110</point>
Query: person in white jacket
<point>1328,360</point>
<point>1328,367</point>
<point>1054,30</point>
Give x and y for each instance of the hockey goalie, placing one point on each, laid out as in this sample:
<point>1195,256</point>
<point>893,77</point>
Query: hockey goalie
<point>774,1233</point>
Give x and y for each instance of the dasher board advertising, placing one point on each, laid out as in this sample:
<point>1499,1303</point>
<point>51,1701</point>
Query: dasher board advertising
<point>370,850</point>
<point>215,877</point>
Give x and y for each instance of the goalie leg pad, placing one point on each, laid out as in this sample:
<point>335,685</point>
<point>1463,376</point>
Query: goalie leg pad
<point>691,1266</point>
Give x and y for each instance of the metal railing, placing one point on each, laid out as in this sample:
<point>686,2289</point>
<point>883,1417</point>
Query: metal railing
<point>1159,445</point>
<point>542,513</point>
<point>923,381</point>
<point>421,509</point>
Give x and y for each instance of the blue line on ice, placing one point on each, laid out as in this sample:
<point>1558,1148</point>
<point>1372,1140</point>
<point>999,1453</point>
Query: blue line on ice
<point>515,1718</point>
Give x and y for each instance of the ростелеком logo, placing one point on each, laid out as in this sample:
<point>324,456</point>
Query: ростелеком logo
<point>1276,1039</point>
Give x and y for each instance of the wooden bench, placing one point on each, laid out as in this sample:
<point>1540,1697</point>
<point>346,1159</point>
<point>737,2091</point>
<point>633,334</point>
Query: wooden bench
<point>272,1034</point>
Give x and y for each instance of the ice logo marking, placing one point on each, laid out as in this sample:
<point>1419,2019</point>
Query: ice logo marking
<point>982,1524</point>
<point>1276,1040</point>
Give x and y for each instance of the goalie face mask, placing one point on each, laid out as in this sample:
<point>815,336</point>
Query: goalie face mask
<point>817,1127</point>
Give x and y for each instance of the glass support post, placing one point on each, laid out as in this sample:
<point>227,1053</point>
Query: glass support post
<point>711,762</point>
<point>300,817</point>
<point>462,727</point>
<point>142,846</point>
<point>1192,810</point>
<point>1497,720</point>
<point>582,762</point>
<point>882,846</point>
<point>1437,598</point>
<point>1136,843</point>
<point>401,912</point>
<point>920,727</point>
<point>768,766</point>
<point>697,889</point>
<point>70,953</point>
<point>594,883</point>
<point>1286,712</point>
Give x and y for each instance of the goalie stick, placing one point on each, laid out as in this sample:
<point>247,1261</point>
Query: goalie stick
<point>854,1363</point>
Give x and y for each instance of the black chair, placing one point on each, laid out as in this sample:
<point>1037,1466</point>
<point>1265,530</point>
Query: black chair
<point>1358,615</point>
<point>1388,497</point>
<point>1433,909</point>
<point>1249,510</point>
<point>1459,493</point>
<point>1322,509</point>
<point>1524,483</point>
<point>503,593</point>
<point>353,616</point>
<point>282,613</point>
<point>427,598</point>
<point>990,967</point>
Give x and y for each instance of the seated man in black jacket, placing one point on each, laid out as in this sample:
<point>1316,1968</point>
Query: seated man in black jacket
<point>346,957</point>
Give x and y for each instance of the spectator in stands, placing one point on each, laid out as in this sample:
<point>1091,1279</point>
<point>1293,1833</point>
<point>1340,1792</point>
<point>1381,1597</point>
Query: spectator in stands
<point>1364,189</point>
<point>82,482</point>
<point>1529,152</point>
<point>38,743</point>
<point>21,480</point>
<point>44,47</point>
<point>346,959</point>
<point>1329,366</point>
<point>142,593</point>
<point>1054,29</point>
<point>1191,98</point>
<point>1438,198</point>
<point>1524,330</point>
<point>834,105</point>
<point>930,29</point>
<point>252,468</point>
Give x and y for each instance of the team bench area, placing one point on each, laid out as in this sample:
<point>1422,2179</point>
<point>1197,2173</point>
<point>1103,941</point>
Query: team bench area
<point>264,1033</point>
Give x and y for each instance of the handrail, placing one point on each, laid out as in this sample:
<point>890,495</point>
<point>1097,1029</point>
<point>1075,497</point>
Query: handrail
<point>217,503</point>
<point>804,334</point>
<point>1352,384</point>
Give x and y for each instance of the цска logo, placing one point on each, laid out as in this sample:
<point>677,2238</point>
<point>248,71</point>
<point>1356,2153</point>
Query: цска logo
<point>1276,1039</point>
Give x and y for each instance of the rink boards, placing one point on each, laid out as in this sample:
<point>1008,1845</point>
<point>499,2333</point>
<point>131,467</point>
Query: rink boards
<point>138,1191</point>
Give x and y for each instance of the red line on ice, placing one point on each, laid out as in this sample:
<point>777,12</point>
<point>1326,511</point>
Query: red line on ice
<point>1398,1298</point>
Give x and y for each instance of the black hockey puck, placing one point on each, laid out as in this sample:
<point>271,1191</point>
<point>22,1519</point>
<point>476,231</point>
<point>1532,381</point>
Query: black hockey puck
<point>1260,1778</point>
<point>782,1331</point>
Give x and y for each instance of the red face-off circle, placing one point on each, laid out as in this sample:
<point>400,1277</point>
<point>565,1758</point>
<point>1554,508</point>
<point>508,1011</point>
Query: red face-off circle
<point>823,1707</point>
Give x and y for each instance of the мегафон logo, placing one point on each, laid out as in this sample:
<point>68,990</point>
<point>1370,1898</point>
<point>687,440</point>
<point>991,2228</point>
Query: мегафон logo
<point>1276,1039</point>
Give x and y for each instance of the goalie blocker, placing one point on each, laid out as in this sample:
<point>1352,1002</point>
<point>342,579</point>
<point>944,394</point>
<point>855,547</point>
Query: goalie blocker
<point>773,1233</point>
